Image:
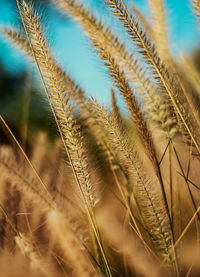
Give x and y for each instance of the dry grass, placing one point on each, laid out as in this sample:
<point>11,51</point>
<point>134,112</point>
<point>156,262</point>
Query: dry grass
<point>134,209</point>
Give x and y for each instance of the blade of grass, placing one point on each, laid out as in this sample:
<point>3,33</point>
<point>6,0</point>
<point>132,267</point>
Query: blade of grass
<point>186,181</point>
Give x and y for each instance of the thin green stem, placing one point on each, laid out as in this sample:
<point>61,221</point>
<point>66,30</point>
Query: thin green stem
<point>165,151</point>
<point>192,183</point>
<point>187,183</point>
<point>170,184</point>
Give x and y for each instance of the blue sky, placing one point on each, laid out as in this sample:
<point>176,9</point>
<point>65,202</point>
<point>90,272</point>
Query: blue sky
<point>73,50</point>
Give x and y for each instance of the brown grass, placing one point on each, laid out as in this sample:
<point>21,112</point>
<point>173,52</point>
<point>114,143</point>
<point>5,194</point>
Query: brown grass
<point>130,209</point>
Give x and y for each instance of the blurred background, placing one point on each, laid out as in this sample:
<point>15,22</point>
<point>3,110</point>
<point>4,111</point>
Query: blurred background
<point>21,94</point>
